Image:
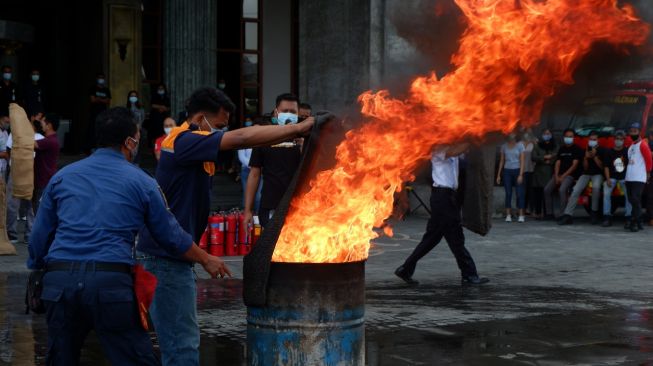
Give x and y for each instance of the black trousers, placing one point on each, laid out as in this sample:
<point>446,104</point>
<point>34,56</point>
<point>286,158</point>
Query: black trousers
<point>445,222</point>
<point>537,196</point>
<point>635,190</point>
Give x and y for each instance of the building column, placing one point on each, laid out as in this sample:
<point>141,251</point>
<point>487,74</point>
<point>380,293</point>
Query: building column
<point>189,48</point>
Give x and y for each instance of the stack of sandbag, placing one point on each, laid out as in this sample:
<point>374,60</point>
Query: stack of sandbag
<point>22,153</point>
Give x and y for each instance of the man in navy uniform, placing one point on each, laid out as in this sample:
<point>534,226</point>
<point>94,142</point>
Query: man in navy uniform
<point>84,235</point>
<point>445,219</point>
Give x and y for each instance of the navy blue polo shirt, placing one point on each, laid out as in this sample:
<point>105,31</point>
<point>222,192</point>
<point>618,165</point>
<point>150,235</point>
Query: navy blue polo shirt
<point>92,210</point>
<point>186,184</point>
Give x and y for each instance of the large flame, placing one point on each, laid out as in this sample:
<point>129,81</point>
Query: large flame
<point>512,56</point>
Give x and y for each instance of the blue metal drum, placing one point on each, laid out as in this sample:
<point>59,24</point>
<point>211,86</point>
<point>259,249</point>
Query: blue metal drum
<point>314,316</point>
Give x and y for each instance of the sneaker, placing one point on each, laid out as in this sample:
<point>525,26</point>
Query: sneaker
<point>521,219</point>
<point>566,220</point>
<point>508,218</point>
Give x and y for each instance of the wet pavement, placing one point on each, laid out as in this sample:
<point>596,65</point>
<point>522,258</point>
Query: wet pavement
<point>573,295</point>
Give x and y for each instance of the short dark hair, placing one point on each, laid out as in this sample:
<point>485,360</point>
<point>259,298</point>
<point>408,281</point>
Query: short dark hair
<point>305,106</point>
<point>113,126</point>
<point>288,97</point>
<point>6,67</point>
<point>569,130</point>
<point>208,99</point>
<point>100,74</point>
<point>52,119</point>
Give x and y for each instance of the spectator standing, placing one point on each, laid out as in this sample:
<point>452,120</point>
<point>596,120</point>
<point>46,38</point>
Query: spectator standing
<point>543,157</point>
<point>649,185</point>
<point>168,125</point>
<point>136,108</point>
<point>84,238</point>
<point>592,171</point>
<point>637,174</point>
<point>244,155</point>
<point>275,164</point>
<point>185,171</point>
<point>305,111</point>
<point>445,220</point>
<point>160,110</point>
<point>529,141</point>
<point>511,173</point>
<point>33,93</point>
<point>565,171</point>
<point>100,98</point>
<point>47,155</point>
<point>615,163</point>
<point>9,92</point>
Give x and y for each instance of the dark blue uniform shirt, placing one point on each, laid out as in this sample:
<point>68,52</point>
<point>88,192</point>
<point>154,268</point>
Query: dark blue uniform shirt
<point>182,175</point>
<point>92,210</point>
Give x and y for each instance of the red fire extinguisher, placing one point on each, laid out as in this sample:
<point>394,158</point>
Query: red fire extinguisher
<point>231,246</point>
<point>255,232</point>
<point>216,234</point>
<point>243,235</point>
<point>204,240</point>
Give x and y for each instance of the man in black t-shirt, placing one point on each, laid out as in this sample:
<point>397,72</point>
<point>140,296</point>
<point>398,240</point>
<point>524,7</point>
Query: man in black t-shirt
<point>592,170</point>
<point>277,164</point>
<point>615,163</point>
<point>565,171</point>
<point>9,92</point>
<point>100,97</point>
<point>33,93</point>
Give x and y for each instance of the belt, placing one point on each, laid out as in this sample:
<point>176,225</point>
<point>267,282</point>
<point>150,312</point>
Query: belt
<point>444,189</point>
<point>92,266</point>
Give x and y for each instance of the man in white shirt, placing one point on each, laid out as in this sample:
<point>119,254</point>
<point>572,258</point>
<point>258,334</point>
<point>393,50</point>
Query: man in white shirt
<point>445,219</point>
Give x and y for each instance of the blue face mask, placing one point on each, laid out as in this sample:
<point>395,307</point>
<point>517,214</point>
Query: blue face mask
<point>133,99</point>
<point>546,137</point>
<point>248,123</point>
<point>287,118</point>
<point>569,140</point>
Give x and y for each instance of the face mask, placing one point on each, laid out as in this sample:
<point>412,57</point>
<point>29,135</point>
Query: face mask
<point>546,137</point>
<point>161,92</point>
<point>167,130</point>
<point>248,123</point>
<point>100,81</point>
<point>36,77</point>
<point>211,127</point>
<point>592,143</point>
<point>133,99</point>
<point>6,76</point>
<point>634,137</point>
<point>287,118</point>
<point>132,152</point>
<point>569,140</point>
<point>221,86</point>
<point>618,143</point>
<point>527,137</point>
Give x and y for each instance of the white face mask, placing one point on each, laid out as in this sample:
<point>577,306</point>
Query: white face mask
<point>167,130</point>
<point>6,76</point>
<point>592,143</point>
<point>133,99</point>
<point>619,143</point>
<point>211,127</point>
<point>100,81</point>
<point>36,77</point>
<point>569,140</point>
<point>161,92</point>
<point>287,118</point>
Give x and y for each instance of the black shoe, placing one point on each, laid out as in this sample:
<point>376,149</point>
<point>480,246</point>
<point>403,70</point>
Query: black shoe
<point>401,273</point>
<point>607,221</point>
<point>474,280</point>
<point>633,228</point>
<point>565,220</point>
<point>627,223</point>
<point>640,227</point>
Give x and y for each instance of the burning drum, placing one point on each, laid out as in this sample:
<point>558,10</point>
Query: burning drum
<point>314,316</point>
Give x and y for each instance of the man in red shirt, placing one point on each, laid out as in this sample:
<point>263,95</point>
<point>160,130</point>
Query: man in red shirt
<point>47,155</point>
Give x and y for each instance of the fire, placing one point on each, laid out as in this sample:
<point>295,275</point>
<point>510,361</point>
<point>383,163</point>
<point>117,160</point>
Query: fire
<point>513,55</point>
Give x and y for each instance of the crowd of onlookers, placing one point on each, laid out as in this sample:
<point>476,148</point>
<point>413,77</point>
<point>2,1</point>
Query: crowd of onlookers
<point>598,171</point>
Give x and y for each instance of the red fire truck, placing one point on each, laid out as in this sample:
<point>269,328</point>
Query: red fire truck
<point>611,111</point>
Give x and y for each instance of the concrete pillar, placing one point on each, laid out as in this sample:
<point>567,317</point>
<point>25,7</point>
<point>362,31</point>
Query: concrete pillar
<point>189,48</point>
<point>335,51</point>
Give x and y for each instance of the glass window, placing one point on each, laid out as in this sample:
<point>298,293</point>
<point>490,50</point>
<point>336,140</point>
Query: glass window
<point>250,101</point>
<point>250,8</point>
<point>250,68</point>
<point>251,36</point>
